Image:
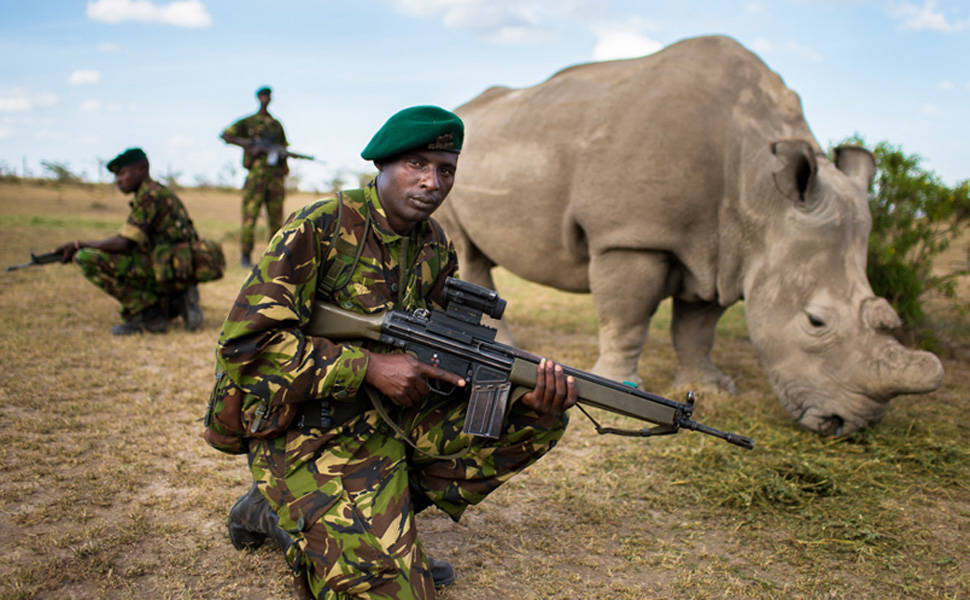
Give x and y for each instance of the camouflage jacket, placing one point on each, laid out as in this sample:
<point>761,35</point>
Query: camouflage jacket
<point>157,217</point>
<point>259,127</point>
<point>262,348</point>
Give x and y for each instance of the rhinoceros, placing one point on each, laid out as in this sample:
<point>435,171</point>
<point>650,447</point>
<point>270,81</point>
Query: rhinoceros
<point>692,174</point>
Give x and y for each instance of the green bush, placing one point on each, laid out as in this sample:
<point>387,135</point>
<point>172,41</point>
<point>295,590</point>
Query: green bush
<point>915,218</point>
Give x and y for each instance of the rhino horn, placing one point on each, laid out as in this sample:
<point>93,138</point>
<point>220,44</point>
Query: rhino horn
<point>877,314</point>
<point>856,162</point>
<point>899,370</point>
<point>798,170</point>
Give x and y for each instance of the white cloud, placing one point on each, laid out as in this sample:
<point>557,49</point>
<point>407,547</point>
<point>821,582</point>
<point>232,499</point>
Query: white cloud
<point>20,100</point>
<point>807,52</point>
<point>946,85</point>
<point>623,44</point>
<point>929,110</point>
<point>185,13</point>
<point>90,106</point>
<point>503,21</point>
<point>927,17</point>
<point>625,38</point>
<point>762,46</point>
<point>109,47</point>
<point>84,77</point>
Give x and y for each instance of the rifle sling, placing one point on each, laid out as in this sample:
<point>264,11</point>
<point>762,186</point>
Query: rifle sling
<point>404,436</point>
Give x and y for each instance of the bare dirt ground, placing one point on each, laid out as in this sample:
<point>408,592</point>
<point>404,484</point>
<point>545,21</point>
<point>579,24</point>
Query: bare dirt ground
<point>108,490</point>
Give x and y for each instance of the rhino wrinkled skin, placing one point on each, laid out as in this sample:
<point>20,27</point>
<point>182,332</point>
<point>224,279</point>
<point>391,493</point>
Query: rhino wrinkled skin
<point>691,174</point>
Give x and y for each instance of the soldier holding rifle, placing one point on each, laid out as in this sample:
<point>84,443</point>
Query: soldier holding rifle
<point>153,263</point>
<point>368,445</point>
<point>264,155</point>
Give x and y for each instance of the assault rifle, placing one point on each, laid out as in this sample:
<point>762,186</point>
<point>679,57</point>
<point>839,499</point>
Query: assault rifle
<point>38,259</point>
<point>455,340</point>
<point>275,152</point>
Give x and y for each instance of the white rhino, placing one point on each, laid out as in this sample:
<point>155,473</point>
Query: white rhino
<point>689,173</point>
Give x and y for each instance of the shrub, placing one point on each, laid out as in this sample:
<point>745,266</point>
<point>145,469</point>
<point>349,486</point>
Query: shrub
<point>915,218</point>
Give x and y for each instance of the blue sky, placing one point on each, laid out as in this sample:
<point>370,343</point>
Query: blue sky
<point>82,80</point>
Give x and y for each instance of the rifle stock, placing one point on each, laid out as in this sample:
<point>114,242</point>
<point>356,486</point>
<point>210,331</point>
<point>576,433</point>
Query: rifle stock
<point>456,341</point>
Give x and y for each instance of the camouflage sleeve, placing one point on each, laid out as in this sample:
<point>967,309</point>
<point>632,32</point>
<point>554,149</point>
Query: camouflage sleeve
<point>238,129</point>
<point>262,347</point>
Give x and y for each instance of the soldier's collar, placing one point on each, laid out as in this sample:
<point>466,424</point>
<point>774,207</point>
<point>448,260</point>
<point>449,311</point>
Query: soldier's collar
<point>381,224</point>
<point>142,189</point>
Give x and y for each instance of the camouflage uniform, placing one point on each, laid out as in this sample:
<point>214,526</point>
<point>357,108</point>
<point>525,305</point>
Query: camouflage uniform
<point>157,221</point>
<point>347,494</point>
<point>264,184</point>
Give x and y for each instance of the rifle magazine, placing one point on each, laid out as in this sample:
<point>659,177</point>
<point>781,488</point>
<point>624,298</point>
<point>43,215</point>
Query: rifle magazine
<point>487,402</point>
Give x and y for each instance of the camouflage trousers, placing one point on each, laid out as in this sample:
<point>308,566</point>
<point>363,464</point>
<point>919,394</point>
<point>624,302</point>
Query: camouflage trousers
<point>129,277</point>
<point>346,495</point>
<point>261,188</point>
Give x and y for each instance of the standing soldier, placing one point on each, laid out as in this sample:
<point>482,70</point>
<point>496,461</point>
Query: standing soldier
<point>153,263</point>
<point>264,156</point>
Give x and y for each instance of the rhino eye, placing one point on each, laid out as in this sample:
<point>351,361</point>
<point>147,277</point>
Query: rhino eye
<point>815,321</point>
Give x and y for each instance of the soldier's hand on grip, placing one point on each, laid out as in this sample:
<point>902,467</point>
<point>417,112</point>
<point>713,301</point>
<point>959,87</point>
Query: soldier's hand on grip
<point>403,379</point>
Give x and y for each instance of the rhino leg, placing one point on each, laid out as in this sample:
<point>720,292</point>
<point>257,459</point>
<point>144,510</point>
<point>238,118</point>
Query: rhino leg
<point>627,286</point>
<point>692,330</point>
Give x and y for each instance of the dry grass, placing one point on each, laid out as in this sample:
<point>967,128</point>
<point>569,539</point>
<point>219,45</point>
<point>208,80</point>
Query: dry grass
<point>109,492</point>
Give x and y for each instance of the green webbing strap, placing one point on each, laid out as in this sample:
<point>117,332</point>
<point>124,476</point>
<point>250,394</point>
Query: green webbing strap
<point>375,399</point>
<point>403,271</point>
<point>332,279</point>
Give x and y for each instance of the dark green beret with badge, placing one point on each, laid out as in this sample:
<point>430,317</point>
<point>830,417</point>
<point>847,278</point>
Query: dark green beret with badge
<point>264,90</point>
<point>128,157</point>
<point>418,127</point>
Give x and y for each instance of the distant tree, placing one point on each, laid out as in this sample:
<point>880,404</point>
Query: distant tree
<point>170,179</point>
<point>915,218</point>
<point>336,183</point>
<point>7,172</point>
<point>202,181</point>
<point>293,180</point>
<point>60,171</point>
<point>227,174</point>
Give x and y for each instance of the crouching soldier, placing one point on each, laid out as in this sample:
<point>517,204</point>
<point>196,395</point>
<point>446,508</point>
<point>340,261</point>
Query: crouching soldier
<point>152,265</point>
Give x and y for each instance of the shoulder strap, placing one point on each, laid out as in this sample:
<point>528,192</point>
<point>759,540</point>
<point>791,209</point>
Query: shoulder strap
<point>402,435</point>
<point>338,274</point>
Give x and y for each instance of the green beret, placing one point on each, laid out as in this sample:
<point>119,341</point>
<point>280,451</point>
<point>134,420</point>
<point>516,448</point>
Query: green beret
<point>128,157</point>
<point>418,127</point>
<point>264,90</point>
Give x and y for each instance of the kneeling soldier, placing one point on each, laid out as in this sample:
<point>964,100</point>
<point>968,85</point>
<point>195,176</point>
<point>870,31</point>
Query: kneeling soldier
<point>338,486</point>
<point>153,263</point>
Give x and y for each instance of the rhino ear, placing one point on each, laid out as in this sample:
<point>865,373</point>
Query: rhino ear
<point>856,162</point>
<point>798,170</point>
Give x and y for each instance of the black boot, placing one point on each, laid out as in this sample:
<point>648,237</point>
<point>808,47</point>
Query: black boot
<point>152,320</point>
<point>186,305</point>
<point>251,521</point>
<point>442,572</point>
<point>245,262</point>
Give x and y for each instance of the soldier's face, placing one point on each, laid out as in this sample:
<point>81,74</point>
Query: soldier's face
<point>129,177</point>
<point>263,100</point>
<point>414,185</point>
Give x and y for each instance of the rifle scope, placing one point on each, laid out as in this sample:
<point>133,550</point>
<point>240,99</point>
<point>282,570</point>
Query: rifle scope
<point>470,297</point>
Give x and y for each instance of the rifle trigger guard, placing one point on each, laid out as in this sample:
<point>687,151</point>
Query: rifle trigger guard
<point>442,388</point>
